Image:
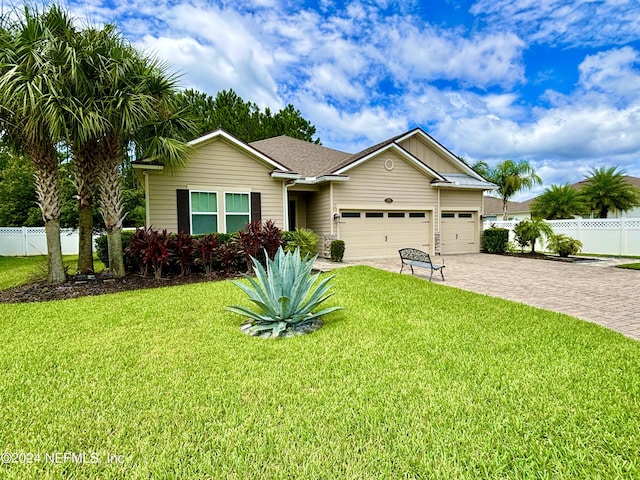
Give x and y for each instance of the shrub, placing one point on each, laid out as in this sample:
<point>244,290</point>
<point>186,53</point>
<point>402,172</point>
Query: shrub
<point>256,237</point>
<point>151,249</point>
<point>336,250</point>
<point>131,264</point>
<point>183,249</point>
<point>284,293</point>
<point>564,245</point>
<point>495,240</point>
<point>304,239</point>
<point>206,248</point>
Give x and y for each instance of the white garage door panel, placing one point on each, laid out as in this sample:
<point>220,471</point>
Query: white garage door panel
<point>377,236</point>
<point>458,232</point>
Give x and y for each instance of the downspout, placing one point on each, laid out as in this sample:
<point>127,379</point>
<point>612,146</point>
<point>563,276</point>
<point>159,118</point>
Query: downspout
<point>147,210</point>
<point>285,187</point>
<point>331,222</point>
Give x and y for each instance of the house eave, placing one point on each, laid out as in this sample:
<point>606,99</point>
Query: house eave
<point>468,187</point>
<point>147,166</point>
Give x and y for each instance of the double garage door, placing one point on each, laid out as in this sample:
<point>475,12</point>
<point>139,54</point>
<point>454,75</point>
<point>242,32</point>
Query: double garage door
<point>379,234</point>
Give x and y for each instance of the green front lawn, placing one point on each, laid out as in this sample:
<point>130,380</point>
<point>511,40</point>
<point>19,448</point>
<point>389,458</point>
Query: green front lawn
<point>16,271</point>
<point>412,380</point>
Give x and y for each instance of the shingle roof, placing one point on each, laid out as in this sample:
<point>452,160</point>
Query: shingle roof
<point>357,156</point>
<point>493,205</point>
<point>305,158</point>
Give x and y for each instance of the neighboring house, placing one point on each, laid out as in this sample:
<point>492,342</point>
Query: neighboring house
<point>408,191</point>
<point>522,210</point>
<point>515,210</point>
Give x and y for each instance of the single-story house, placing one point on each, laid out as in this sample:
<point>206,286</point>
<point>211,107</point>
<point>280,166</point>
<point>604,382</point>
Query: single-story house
<point>408,191</point>
<point>515,210</point>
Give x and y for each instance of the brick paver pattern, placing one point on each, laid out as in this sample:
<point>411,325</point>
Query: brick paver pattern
<point>593,291</point>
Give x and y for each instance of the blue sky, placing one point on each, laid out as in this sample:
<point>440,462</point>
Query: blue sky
<point>553,82</point>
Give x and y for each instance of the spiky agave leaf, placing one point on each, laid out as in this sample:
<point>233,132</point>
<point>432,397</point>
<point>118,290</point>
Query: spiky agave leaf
<point>284,292</point>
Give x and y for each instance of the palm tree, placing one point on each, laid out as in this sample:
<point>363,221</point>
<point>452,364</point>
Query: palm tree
<point>607,189</point>
<point>510,177</point>
<point>557,202</point>
<point>134,97</point>
<point>32,52</point>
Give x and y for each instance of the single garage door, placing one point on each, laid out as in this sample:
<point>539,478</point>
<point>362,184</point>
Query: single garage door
<point>379,234</point>
<point>458,232</point>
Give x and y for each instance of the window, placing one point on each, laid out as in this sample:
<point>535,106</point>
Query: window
<point>465,215</point>
<point>204,212</point>
<point>448,215</point>
<point>416,215</point>
<point>396,215</point>
<point>236,210</point>
<point>373,215</point>
<point>350,214</point>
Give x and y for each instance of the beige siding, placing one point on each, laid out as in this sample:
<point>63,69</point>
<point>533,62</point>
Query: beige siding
<point>319,215</point>
<point>371,183</point>
<point>461,200</point>
<point>215,166</point>
<point>424,152</point>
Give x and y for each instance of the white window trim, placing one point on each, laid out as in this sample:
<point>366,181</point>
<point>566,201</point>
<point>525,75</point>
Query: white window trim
<point>192,213</point>
<point>225,213</point>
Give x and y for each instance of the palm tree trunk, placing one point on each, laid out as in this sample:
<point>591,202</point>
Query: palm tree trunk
<point>85,239</point>
<point>85,186</point>
<point>46,173</point>
<point>505,212</point>
<point>111,203</point>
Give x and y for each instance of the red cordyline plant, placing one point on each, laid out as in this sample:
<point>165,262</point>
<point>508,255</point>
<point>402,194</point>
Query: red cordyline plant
<point>257,237</point>
<point>183,248</point>
<point>152,249</point>
<point>207,248</point>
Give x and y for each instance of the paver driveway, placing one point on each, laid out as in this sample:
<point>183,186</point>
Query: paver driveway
<point>593,291</point>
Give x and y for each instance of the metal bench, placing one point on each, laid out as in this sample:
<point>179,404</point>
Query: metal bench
<point>412,257</point>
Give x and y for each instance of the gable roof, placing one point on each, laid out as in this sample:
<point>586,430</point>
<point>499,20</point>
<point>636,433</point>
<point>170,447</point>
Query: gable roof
<point>241,145</point>
<point>305,158</point>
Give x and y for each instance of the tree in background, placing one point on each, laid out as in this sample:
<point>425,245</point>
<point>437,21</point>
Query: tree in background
<point>18,204</point>
<point>241,119</point>
<point>558,202</point>
<point>606,189</point>
<point>510,177</point>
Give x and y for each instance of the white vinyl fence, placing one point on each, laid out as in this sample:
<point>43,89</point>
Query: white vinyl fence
<point>24,241</point>
<point>610,236</point>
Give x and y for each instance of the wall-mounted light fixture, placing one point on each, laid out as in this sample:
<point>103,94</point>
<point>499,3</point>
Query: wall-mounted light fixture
<point>336,217</point>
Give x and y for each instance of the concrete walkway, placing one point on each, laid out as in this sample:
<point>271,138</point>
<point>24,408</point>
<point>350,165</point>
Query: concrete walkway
<point>593,291</point>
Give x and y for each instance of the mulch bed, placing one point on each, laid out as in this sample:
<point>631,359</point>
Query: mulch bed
<point>42,291</point>
<point>553,258</point>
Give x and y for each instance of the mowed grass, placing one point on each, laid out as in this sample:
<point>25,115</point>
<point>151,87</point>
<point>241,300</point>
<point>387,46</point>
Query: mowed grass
<point>16,271</point>
<point>411,380</point>
<point>631,266</point>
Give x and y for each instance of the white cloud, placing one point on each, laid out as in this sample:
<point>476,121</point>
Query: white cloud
<point>615,72</point>
<point>481,61</point>
<point>573,22</point>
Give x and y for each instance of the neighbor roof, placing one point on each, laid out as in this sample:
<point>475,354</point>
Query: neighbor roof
<point>493,205</point>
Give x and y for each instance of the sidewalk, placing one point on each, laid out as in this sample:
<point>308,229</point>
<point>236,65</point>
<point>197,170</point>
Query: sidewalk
<point>593,291</point>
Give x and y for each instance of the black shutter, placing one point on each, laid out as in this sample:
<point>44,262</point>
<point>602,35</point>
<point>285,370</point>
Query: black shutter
<point>256,206</point>
<point>184,218</point>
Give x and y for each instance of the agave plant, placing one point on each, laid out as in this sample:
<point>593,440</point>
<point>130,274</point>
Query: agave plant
<point>284,293</point>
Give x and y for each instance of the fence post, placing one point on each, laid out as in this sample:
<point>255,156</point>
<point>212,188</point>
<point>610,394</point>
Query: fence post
<point>25,241</point>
